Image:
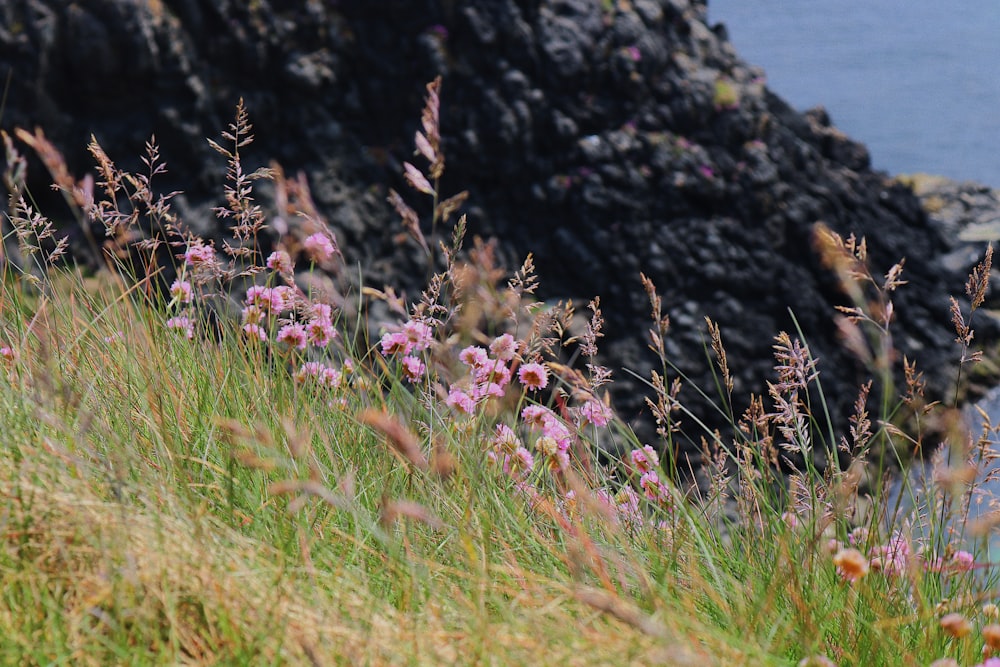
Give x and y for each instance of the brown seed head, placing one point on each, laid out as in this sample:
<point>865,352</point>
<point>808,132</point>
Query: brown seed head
<point>956,625</point>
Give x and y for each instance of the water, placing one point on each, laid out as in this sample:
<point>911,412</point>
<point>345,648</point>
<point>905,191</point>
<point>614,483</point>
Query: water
<point>917,81</point>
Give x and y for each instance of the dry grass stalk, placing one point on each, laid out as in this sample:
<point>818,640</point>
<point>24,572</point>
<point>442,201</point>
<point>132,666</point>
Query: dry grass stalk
<point>400,439</point>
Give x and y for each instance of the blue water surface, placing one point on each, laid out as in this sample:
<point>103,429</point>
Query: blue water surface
<point>918,81</point>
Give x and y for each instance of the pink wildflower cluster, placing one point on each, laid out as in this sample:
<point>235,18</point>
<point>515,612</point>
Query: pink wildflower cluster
<point>319,246</point>
<point>321,374</point>
<point>200,255</point>
<point>180,291</point>
<point>895,557</point>
<point>488,373</point>
<point>555,439</point>
<point>304,324</point>
<point>280,261</point>
<point>182,323</point>
<point>507,451</point>
<point>415,336</point>
<point>646,462</point>
<point>595,412</point>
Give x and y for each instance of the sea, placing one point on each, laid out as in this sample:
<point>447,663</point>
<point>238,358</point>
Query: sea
<point>917,81</point>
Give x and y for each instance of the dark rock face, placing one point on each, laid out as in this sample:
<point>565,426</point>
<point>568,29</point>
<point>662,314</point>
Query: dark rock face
<point>608,138</point>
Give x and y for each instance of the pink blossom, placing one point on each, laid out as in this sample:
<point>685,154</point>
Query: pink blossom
<point>282,299</point>
<point>319,247</point>
<point>644,459</point>
<point>492,370</point>
<point>252,315</point>
<point>280,261</point>
<point>893,556</point>
<point>504,438</point>
<point>634,53</point>
<point>504,347</point>
<point>419,334</point>
<point>8,353</point>
<point>293,335</point>
<point>962,561</point>
<point>596,412</point>
<point>395,343</point>
<point>626,503</point>
<point>259,296</point>
<point>180,291</point>
<point>321,331</point>
<point>255,331</point>
<point>323,375</point>
<point>654,489</point>
<point>474,356</point>
<point>413,368</point>
<point>554,428</point>
<point>989,662</point>
<point>461,401</point>
<point>533,376</point>
<point>182,323</point>
<point>536,415</point>
<point>200,255</point>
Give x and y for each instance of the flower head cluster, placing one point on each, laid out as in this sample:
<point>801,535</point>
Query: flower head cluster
<point>488,374</point>
<point>319,246</point>
<point>182,323</point>
<point>507,451</point>
<point>891,558</point>
<point>555,439</point>
<point>302,323</point>
<point>321,374</point>
<point>415,336</point>
<point>280,261</point>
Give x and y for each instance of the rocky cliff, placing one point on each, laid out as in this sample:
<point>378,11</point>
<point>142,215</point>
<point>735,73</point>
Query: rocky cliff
<point>607,137</point>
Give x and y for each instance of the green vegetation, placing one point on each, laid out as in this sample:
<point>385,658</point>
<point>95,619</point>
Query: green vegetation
<point>276,489</point>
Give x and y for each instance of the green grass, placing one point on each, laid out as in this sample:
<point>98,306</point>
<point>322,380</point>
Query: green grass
<point>167,499</point>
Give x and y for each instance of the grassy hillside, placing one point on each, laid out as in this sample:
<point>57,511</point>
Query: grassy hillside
<point>179,486</point>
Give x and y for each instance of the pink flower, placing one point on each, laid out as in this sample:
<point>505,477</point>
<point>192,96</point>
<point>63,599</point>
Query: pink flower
<point>536,415</point>
<point>282,299</point>
<point>319,247</point>
<point>596,412</point>
<point>504,347</point>
<point>280,261</point>
<point>395,343</point>
<point>533,376</point>
<point>962,561</point>
<point>492,370</point>
<point>252,315</point>
<point>180,291</point>
<point>419,334</point>
<point>461,401</point>
<point>259,296</point>
<point>321,331</point>
<point>182,323</point>
<point>200,255</point>
<point>8,354</point>
<point>893,556</point>
<point>413,368</point>
<point>323,375</point>
<point>645,459</point>
<point>989,662</point>
<point>504,439</point>
<point>634,53</point>
<point>654,490</point>
<point>293,335</point>
<point>474,356</point>
<point>255,331</point>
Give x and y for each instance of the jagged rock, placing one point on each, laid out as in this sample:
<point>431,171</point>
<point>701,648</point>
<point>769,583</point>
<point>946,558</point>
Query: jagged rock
<point>607,138</point>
